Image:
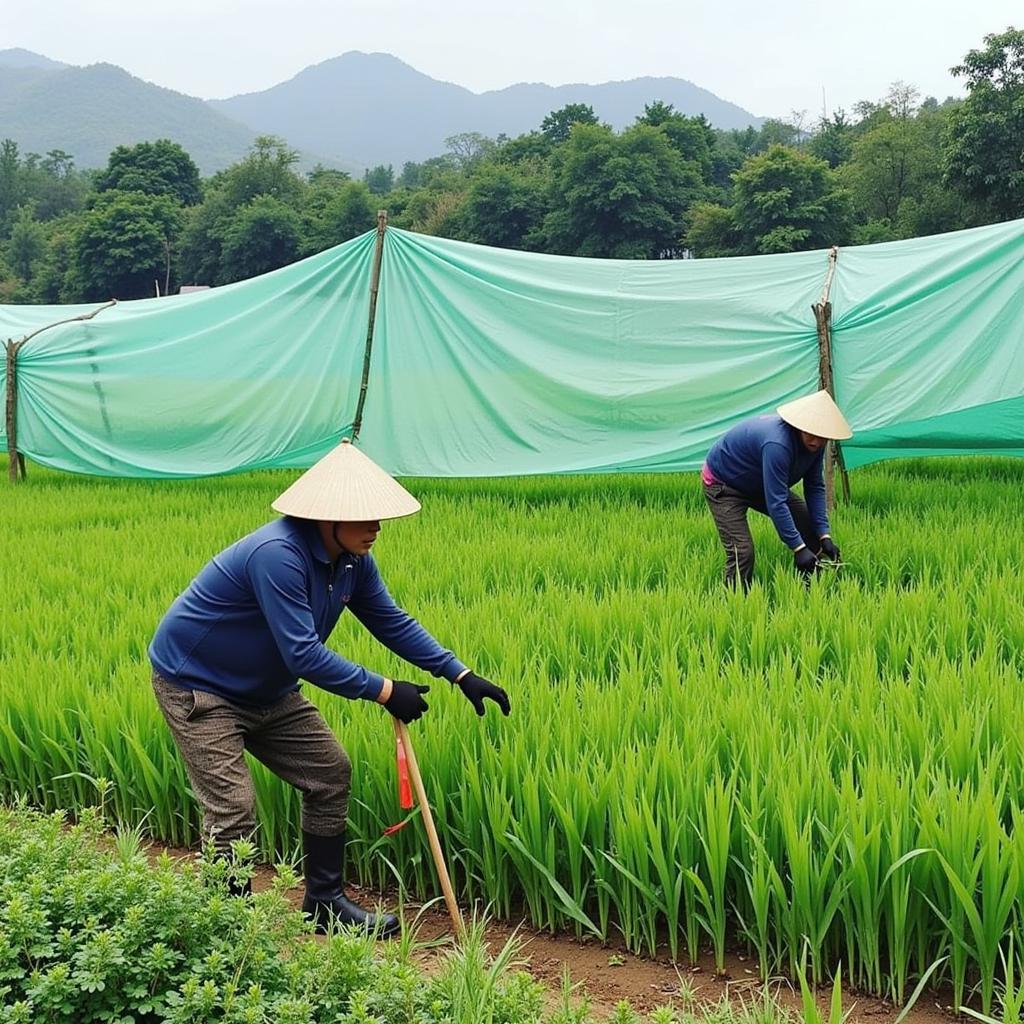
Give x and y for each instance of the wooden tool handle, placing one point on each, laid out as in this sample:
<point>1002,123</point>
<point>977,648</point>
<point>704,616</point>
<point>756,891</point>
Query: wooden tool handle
<point>428,823</point>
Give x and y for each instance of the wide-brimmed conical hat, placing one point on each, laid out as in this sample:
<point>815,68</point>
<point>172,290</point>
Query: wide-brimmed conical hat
<point>816,414</point>
<point>346,486</point>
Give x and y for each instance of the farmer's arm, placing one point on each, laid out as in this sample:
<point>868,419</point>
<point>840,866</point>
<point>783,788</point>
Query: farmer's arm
<point>278,579</point>
<point>814,495</point>
<point>397,629</point>
<point>775,471</point>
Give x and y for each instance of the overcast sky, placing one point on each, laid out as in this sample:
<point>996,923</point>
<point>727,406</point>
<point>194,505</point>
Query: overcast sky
<point>769,56</point>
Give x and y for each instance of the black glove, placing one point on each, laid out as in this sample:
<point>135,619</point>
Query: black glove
<point>829,550</point>
<point>806,561</point>
<point>405,702</point>
<point>476,688</point>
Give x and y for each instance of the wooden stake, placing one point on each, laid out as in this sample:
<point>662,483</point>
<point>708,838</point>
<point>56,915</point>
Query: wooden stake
<point>823,320</point>
<point>17,459</point>
<point>378,255</point>
<point>402,731</point>
<point>15,463</point>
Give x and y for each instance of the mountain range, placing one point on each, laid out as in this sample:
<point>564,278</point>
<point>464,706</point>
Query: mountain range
<point>354,111</point>
<point>88,111</point>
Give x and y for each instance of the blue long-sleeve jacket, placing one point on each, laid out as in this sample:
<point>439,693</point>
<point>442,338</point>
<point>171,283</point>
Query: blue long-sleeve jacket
<point>254,621</point>
<point>763,457</point>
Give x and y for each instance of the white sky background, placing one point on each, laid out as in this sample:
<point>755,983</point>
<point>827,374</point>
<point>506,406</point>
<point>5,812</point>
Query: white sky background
<point>769,56</point>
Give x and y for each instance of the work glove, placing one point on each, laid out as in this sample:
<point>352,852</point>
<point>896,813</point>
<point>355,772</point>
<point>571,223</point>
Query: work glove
<point>829,550</point>
<point>476,688</point>
<point>405,702</point>
<point>806,561</point>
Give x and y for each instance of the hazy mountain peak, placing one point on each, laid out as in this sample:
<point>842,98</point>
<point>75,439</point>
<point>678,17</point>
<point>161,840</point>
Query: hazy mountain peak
<point>16,57</point>
<point>375,108</point>
<point>355,110</point>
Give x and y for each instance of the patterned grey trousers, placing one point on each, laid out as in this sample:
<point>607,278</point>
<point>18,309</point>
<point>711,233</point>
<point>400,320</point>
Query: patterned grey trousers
<point>290,737</point>
<point>729,510</point>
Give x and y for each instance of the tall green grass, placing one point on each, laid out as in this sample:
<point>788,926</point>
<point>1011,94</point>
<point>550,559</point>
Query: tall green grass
<point>834,774</point>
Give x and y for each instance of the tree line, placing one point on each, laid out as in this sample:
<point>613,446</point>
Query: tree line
<point>668,186</point>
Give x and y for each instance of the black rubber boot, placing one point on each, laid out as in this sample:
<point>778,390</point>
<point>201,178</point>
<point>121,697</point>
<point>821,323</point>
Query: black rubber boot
<point>325,901</point>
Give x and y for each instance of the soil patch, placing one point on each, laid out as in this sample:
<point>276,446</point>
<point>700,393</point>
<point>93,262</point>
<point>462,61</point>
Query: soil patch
<point>607,973</point>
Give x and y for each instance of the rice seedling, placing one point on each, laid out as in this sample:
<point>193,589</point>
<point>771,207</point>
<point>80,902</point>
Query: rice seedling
<point>833,773</point>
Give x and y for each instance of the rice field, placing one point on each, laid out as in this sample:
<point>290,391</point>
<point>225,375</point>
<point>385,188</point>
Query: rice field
<point>834,775</point>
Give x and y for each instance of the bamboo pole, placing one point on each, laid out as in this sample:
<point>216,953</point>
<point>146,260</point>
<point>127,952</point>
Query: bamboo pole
<point>15,463</point>
<point>378,256</point>
<point>402,732</point>
<point>826,381</point>
<point>17,459</point>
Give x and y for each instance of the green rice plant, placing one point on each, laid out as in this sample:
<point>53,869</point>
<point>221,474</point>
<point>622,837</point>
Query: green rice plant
<point>836,771</point>
<point>984,886</point>
<point>756,865</point>
<point>715,832</point>
<point>1010,993</point>
<point>811,1013</point>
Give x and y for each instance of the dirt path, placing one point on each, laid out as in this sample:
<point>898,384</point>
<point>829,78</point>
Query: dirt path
<point>608,973</point>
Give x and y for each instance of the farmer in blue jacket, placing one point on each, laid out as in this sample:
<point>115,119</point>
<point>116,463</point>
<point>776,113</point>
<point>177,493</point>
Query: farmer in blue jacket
<point>754,465</point>
<point>228,656</point>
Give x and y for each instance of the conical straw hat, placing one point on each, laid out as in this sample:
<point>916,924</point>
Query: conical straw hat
<point>816,414</point>
<point>346,487</point>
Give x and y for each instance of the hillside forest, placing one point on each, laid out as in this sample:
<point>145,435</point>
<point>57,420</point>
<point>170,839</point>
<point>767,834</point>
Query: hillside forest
<point>667,186</point>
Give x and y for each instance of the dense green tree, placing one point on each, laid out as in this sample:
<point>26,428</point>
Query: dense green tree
<point>504,206</point>
<point>558,124</point>
<point>27,244</point>
<point>349,212</point>
<point>775,132</point>
<point>885,163</point>
<point>574,187</point>
<point>984,153</point>
<point>267,170</point>
<point>395,203</point>
<point>13,291</point>
<point>785,200</point>
<point>380,179</point>
<point>833,141</point>
<point>727,156</point>
<point>712,231</point>
<point>327,177</point>
<point>620,195</point>
<point>894,175</point>
<point>410,176</point>
<point>12,186</point>
<point>202,240</point>
<point>434,173</point>
<point>122,245</point>
<point>261,236</point>
<point>51,279</point>
<point>533,147</point>
<point>469,149</point>
<point>745,140</point>
<point>693,137</point>
<point>433,211</point>
<point>160,168</point>
<point>56,187</point>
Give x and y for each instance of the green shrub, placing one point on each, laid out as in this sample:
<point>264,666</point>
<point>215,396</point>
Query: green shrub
<point>91,931</point>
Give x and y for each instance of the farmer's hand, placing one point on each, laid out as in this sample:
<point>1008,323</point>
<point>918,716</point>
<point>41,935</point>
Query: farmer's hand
<point>829,550</point>
<point>476,688</point>
<point>405,702</point>
<point>806,561</point>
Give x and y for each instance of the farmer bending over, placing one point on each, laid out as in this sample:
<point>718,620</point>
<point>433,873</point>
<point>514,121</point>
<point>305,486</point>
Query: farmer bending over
<point>229,654</point>
<point>754,465</point>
